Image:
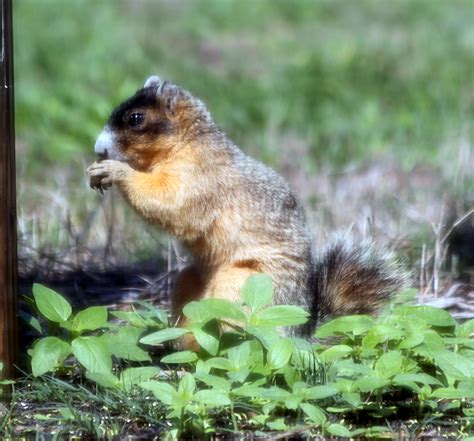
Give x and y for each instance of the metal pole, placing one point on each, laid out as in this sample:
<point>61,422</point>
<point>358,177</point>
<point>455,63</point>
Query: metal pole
<point>8,244</point>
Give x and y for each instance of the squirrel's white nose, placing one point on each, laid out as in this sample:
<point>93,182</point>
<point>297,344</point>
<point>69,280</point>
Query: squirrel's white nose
<point>105,143</point>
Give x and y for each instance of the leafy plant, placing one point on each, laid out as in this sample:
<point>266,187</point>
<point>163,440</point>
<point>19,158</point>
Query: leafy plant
<point>247,372</point>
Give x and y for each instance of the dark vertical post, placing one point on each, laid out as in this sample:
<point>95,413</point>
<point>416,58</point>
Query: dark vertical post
<point>8,305</point>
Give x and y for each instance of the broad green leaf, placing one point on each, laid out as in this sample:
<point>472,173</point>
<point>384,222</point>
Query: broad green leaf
<point>338,430</point>
<point>105,379</point>
<point>223,309</point>
<point>281,315</point>
<point>257,291</point>
<point>429,314</point>
<point>248,390</point>
<point>389,364</point>
<point>371,383</point>
<point>314,413</point>
<point>267,335</point>
<point>163,391</point>
<point>167,334</point>
<point>206,340</point>
<point>180,357</point>
<point>132,317</point>
<point>124,344</point>
<point>413,337</point>
<point>432,343</point>
<point>90,319</point>
<point>452,393</point>
<point>417,378</point>
<point>239,356</point>
<point>48,354</point>
<point>466,330</point>
<point>278,424</point>
<point>187,386</point>
<point>50,304</point>
<point>217,383</point>
<point>156,312</point>
<point>320,392</point>
<point>335,353</point>
<point>134,376</point>
<point>212,398</point>
<point>279,354</point>
<point>454,365</point>
<point>32,321</point>
<point>196,312</point>
<point>219,363</point>
<point>351,325</point>
<point>274,393</point>
<point>92,353</point>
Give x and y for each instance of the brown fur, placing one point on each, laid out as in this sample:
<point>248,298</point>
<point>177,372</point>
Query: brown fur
<point>236,216</point>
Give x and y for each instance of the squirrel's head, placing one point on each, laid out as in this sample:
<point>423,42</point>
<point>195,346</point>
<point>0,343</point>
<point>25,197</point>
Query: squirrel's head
<point>152,124</point>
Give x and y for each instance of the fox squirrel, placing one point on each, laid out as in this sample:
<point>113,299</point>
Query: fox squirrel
<point>236,216</point>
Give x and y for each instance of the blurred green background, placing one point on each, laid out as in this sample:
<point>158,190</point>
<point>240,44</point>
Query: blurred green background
<point>349,78</point>
<point>318,89</point>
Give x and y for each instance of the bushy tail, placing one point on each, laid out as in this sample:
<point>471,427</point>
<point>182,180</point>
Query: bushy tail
<point>355,278</point>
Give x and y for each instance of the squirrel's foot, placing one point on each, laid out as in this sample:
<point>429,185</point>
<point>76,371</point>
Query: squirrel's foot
<point>104,173</point>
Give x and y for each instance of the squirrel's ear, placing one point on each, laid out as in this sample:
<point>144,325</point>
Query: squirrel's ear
<point>152,81</point>
<point>170,94</point>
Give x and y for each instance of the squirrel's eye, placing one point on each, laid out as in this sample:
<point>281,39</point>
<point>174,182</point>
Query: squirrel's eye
<point>135,119</point>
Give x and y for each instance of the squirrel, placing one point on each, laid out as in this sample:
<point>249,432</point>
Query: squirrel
<point>236,216</point>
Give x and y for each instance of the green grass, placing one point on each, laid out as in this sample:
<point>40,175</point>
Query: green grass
<point>351,80</point>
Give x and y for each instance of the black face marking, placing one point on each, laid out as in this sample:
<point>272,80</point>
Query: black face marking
<point>143,99</point>
<point>132,114</point>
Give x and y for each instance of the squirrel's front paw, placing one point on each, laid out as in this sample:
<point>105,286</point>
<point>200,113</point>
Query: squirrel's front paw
<point>102,174</point>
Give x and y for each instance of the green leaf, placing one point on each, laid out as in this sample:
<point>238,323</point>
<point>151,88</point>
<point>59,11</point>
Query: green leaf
<point>452,393</point>
<point>32,321</point>
<point>389,364</point>
<point>186,389</point>
<point>257,291</point>
<point>223,309</point>
<point>266,335</point>
<point>220,363</point>
<point>429,314</point>
<point>466,330</point>
<point>217,383</point>
<point>124,344</point>
<point>105,379</point>
<point>281,315</point>
<point>167,334</point>
<point>162,391</point>
<point>50,304</point>
<point>239,356</point>
<point>335,353</point>
<point>131,317</point>
<point>279,354</point>
<point>416,378</point>
<point>320,392</point>
<point>212,398</point>
<point>90,319</point>
<point>351,325</point>
<point>48,354</point>
<point>92,353</point>
<point>338,430</point>
<point>196,312</point>
<point>314,413</point>
<point>371,383</point>
<point>134,376</point>
<point>454,365</point>
<point>180,357</point>
<point>206,340</point>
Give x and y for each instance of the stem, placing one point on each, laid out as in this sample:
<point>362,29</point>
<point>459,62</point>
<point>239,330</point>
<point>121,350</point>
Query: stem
<point>232,415</point>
